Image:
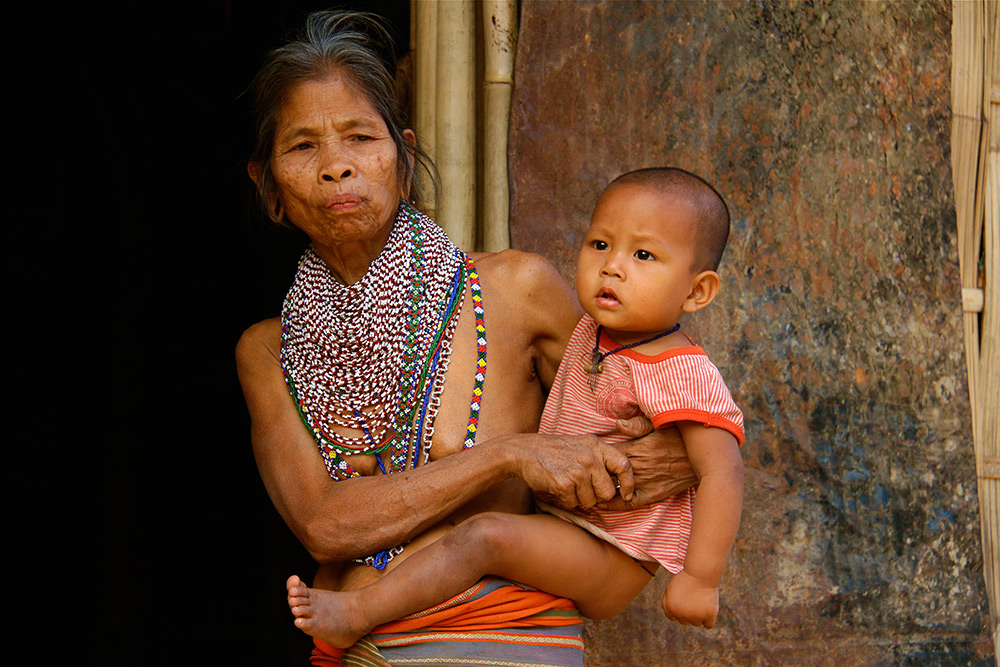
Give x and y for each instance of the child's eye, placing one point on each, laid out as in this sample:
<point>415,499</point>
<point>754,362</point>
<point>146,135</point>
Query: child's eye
<point>643,255</point>
<point>599,245</point>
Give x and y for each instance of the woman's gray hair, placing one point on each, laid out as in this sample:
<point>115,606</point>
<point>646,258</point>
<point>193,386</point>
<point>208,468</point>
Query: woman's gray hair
<point>355,44</point>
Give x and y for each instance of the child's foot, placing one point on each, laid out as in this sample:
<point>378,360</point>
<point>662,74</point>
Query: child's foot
<point>333,617</point>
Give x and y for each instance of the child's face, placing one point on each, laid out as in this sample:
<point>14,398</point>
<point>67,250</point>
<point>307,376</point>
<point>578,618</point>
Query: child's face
<point>634,273</point>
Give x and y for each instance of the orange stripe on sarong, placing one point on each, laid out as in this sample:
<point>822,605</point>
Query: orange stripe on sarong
<point>508,607</point>
<point>491,604</point>
<point>325,655</point>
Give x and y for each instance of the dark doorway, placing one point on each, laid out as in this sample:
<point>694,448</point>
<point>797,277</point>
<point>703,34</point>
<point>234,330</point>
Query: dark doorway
<point>151,262</point>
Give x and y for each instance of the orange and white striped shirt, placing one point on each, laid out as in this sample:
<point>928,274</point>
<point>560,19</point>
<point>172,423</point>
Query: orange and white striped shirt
<point>677,385</point>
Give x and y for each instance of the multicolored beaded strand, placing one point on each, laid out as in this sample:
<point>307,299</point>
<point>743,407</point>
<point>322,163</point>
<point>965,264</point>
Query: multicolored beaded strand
<point>329,353</point>
<point>477,390</point>
<point>382,558</point>
<point>330,322</point>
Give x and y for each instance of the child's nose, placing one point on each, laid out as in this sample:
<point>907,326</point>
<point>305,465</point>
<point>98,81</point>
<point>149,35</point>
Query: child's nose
<point>612,267</point>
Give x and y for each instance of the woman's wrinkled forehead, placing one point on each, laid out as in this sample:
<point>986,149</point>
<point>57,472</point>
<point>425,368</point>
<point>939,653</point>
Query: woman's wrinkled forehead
<point>329,96</point>
<point>340,75</point>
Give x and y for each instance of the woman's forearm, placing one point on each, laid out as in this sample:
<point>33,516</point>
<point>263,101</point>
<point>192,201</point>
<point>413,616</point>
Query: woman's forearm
<point>364,515</point>
<point>340,520</point>
<point>368,514</point>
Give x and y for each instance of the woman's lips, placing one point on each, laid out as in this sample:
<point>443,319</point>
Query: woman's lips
<point>342,202</point>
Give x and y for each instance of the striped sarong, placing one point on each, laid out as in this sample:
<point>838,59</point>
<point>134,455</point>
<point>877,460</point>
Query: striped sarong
<point>495,623</point>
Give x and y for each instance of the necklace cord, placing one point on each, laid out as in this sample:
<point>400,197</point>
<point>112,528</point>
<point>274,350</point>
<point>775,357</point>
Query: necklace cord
<point>596,357</point>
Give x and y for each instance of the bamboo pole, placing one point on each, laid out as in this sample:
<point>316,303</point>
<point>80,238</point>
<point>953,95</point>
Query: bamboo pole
<point>976,174</point>
<point>966,93</point>
<point>989,470</point>
<point>455,132</point>
<point>424,20</point>
<point>499,33</point>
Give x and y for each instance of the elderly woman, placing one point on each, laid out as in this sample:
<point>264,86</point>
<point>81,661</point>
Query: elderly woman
<point>364,448</point>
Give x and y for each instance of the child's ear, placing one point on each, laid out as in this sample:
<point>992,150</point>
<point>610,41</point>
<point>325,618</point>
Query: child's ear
<point>704,287</point>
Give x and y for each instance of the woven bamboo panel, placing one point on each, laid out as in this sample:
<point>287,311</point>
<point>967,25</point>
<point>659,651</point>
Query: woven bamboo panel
<point>975,141</point>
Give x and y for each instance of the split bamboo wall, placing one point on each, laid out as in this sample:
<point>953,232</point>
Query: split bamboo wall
<point>976,172</point>
<point>464,53</point>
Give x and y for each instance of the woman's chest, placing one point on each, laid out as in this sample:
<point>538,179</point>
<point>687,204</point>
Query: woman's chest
<point>491,387</point>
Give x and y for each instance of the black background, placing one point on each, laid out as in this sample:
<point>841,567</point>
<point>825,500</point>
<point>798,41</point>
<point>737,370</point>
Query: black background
<point>134,261</point>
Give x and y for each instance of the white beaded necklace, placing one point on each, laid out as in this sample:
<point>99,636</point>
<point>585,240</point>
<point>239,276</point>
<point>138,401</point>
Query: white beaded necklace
<point>354,355</point>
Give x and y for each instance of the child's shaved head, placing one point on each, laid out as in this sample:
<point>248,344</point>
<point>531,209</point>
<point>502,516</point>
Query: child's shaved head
<point>712,213</point>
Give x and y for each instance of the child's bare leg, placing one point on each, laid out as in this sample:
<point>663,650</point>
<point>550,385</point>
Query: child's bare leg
<point>560,558</point>
<point>539,550</point>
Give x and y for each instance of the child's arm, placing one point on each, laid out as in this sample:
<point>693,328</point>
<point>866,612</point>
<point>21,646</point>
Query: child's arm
<point>692,596</point>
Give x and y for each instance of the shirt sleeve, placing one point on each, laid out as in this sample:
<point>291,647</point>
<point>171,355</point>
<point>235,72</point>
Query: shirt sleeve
<point>686,387</point>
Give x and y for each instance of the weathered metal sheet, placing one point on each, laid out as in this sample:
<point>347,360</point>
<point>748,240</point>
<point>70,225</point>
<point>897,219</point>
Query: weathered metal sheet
<point>826,125</point>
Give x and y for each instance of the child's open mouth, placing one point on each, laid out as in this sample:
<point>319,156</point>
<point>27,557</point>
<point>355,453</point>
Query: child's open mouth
<point>607,297</point>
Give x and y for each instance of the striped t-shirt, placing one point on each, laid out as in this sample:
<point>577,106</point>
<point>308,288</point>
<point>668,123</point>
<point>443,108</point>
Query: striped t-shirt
<point>677,385</point>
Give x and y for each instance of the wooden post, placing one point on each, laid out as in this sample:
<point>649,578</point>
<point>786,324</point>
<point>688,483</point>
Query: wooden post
<point>499,33</point>
<point>423,15</point>
<point>455,148</point>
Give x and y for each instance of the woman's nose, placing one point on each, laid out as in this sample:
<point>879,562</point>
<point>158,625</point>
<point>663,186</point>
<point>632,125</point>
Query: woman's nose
<point>332,175</point>
<point>335,166</point>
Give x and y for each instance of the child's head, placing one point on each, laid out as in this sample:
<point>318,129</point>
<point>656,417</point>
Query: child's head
<point>651,252</point>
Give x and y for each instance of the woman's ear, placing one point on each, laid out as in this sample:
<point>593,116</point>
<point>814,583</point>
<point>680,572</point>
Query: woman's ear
<point>274,208</point>
<point>704,287</point>
<point>410,141</point>
<point>253,170</point>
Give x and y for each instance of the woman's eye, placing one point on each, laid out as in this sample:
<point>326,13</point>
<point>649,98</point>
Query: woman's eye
<point>643,255</point>
<point>301,147</point>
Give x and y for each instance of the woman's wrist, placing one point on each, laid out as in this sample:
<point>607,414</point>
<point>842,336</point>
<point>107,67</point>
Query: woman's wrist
<point>502,454</point>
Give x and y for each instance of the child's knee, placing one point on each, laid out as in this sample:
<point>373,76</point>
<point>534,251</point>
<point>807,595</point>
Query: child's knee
<point>486,533</point>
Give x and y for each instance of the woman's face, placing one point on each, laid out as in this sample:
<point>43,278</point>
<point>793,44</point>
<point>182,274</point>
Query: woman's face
<point>334,162</point>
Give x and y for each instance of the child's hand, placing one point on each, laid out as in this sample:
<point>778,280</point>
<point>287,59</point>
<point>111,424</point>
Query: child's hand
<point>691,601</point>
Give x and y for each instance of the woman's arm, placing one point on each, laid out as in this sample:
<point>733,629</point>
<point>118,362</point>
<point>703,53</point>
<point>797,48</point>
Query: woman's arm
<point>551,310</point>
<point>340,520</point>
<point>335,520</point>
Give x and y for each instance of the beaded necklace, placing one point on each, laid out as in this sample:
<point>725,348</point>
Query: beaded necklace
<point>372,357</point>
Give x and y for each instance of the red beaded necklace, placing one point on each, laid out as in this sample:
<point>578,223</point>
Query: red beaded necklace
<point>371,357</point>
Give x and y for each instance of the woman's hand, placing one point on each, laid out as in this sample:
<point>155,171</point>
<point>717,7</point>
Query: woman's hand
<point>571,471</point>
<point>659,464</point>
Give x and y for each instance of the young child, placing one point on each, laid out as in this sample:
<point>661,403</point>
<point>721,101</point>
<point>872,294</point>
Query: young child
<point>649,257</point>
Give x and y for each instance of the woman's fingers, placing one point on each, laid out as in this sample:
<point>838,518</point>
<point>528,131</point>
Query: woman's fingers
<point>618,465</point>
<point>575,471</point>
<point>635,427</point>
<point>660,465</point>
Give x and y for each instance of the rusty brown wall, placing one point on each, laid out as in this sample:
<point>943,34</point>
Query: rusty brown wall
<point>826,125</point>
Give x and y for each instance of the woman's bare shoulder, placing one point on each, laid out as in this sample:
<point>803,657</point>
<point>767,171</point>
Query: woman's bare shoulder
<point>516,269</point>
<point>260,341</point>
<point>535,300</point>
